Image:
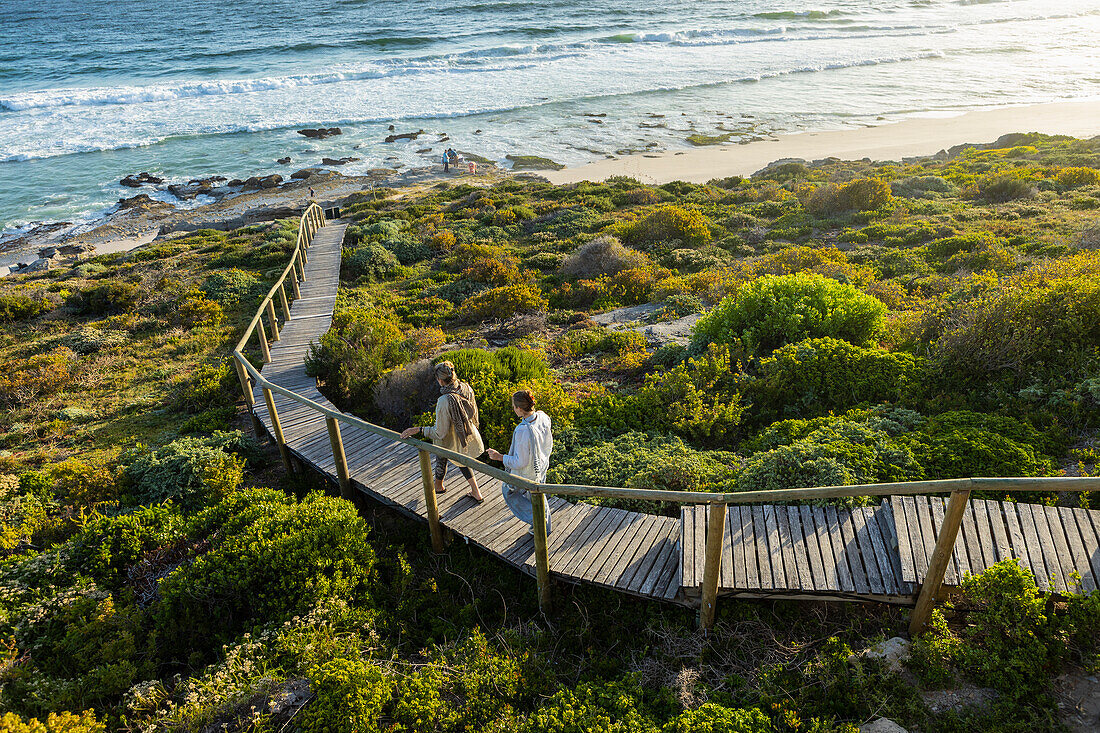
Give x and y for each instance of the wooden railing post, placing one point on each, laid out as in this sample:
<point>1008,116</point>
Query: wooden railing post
<point>338,457</point>
<point>274,321</point>
<point>294,280</point>
<point>249,398</point>
<point>264,348</point>
<point>542,557</point>
<point>277,428</point>
<point>429,501</point>
<point>712,568</point>
<point>941,555</point>
<point>283,302</point>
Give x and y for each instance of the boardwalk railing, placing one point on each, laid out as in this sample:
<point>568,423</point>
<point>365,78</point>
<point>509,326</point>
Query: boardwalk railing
<point>959,489</point>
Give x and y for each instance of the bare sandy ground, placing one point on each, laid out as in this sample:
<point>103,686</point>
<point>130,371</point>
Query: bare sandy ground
<point>908,138</point>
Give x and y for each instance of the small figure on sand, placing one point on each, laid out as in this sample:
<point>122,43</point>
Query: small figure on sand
<point>456,423</point>
<point>446,161</point>
<point>312,193</point>
<point>473,168</point>
<point>528,456</point>
<point>452,156</point>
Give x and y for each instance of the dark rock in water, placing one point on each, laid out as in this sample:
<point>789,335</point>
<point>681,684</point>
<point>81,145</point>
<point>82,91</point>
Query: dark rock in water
<point>210,179</point>
<point>338,161</point>
<point>139,179</point>
<point>444,139</point>
<point>391,128</point>
<point>141,200</point>
<point>424,150</point>
<point>255,183</point>
<point>304,173</point>
<point>320,133</point>
<point>404,136</point>
<point>593,114</point>
<point>283,161</point>
<point>477,132</point>
<point>235,182</point>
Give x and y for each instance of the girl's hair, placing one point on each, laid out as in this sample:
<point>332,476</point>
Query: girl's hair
<point>445,371</point>
<point>524,400</point>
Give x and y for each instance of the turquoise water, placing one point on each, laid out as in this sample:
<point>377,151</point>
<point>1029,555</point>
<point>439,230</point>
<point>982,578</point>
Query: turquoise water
<point>91,91</point>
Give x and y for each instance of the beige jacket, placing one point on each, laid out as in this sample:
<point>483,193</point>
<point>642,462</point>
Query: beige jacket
<point>443,433</point>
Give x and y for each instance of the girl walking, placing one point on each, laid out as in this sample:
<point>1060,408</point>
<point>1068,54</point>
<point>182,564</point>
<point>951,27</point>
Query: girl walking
<point>528,456</point>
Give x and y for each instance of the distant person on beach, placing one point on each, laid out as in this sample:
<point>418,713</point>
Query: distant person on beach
<point>446,162</point>
<point>456,423</point>
<point>528,456</point>
<point>453,156</point>
<point>473,168</point>
<point>312,193</point>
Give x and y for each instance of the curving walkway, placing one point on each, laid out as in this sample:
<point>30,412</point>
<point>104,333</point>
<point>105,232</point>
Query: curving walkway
<point>873,553</point>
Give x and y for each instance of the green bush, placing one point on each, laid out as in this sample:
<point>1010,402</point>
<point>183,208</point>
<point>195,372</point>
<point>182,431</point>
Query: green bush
<point>371,261</point>
<point>862,194</point>
<point>354,353</point>
<point>712,718</point>
<point>270,559</point>
<point>771,311</point>
<point>503,302</point>
<point>19,306</point>
<point>1078,176</point>
<point>670,223</point>
<point>593,707</point>
<point>966,444</point>
<point>349,695</point>
<point>64,722</point>
<point>997,188</point>
<point>190,471</point>
<point>604,255</point>
<point>108,547</point>
<point>110,296</point>
<point>824,374</point>
<point>207,387</point>
<point>231,287</point>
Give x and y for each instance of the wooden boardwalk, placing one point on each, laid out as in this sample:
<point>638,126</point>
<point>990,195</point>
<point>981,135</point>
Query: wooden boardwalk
<point>872,553</point>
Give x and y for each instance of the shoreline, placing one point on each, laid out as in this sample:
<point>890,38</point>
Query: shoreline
<point>913,137</point>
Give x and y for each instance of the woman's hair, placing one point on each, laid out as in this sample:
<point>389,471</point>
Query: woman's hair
<point>524,400</point>
<point>445,372</point>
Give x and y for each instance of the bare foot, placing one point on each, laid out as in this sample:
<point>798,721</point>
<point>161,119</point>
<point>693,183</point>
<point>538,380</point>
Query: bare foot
<point>476,496</point>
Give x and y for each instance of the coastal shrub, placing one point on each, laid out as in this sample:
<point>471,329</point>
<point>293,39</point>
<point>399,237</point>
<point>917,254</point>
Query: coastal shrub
<point>819,375</point>
<point>84,649</point>
<point>921,187</point>
<point>271,559</point>
<point>360,347</point>
<point>604,255</point>
<point>645,461</point>
<point>1077,176</point>
<point>19,306</point>
<point>407,391</point>
<point>106,298</point>
<point>230,287</point>
<point>208,386</point>
<point>713,718</point>
<point>64,722</point>
<point>195,310</point>
<point>189,470</point>
<point>90,340</point>
<point>775,310</point>
<point>84,482</point>
<point>669,223</point>
<point>593,707</point>
<point>349,695</point>
<point>997,188</point>
<point>407,248</point>
<point>960,444</point>
<point>109,546</point>
<point>996,257</point>
<point>371,261</point>
<point>679,305</point>
<point>26,380</point>
<point>862,194</point>
<point>502,302</point>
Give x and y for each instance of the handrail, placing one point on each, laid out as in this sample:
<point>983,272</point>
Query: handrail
<point>313,218</point>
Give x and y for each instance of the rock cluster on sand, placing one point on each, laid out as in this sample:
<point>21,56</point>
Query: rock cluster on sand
<point>320,133</point>
<point>137,180</point>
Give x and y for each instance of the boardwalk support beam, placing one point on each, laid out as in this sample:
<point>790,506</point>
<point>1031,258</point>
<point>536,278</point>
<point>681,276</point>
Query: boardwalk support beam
<point>941,555</point>
<point>712,568</point>
<point>542,557</point>
<point>338,457</point>
<point>430,506</point>
<point>277,428</point>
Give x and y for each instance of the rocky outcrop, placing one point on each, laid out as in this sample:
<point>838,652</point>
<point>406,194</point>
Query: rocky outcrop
<point>283,161</point>
<point>137,180</point>
<point>404,136</point>
<point>142,200</point>
<point>320,133</point>
<point>256,183</point>
<point>338,161</point>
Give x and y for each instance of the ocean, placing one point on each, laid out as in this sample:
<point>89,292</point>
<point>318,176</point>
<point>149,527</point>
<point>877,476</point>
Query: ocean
<point>91,91</point>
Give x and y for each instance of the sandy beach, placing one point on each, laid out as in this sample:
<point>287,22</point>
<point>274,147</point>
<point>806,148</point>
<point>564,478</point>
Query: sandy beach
<point>893,141</point>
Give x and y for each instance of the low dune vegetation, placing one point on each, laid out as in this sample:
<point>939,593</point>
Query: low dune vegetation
<point>834,323</point>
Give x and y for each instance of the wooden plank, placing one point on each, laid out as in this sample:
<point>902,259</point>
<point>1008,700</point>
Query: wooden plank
<point>649,587</point>
<point>851,549</point>
<point>748,530</point>
<point>1031,542</point>
<point>1061,546</point>
<point>813,548</point>
<point>618,544</point>
<point>867,551</point>
<point>732,571</point>
<point>924,517</point>
<point>1001,546</point>
<point>763,552</point>
<point>1080,556</point>
<point>824,543</point>
<point>582,558</point>
<point>798,546</point>
<point>950,574</point>
<point>890,539</point>
<point>786,551</point>
<point>1046,545</point>
<point>985,534</point>
<point>1016,535</point>
<point>840,554</point>
<point>1088,524</point>
<point>889,583</point>
<point>700,552</point>
<point>905,549</point>
<point>687,544</point>
<point>644,554</point>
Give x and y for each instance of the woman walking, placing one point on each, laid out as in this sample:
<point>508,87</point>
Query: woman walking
<point>528,457</point>
<point>455,427</point>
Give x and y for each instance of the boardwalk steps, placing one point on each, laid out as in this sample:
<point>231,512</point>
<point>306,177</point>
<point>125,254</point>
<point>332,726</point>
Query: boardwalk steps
<point>879,553</point>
